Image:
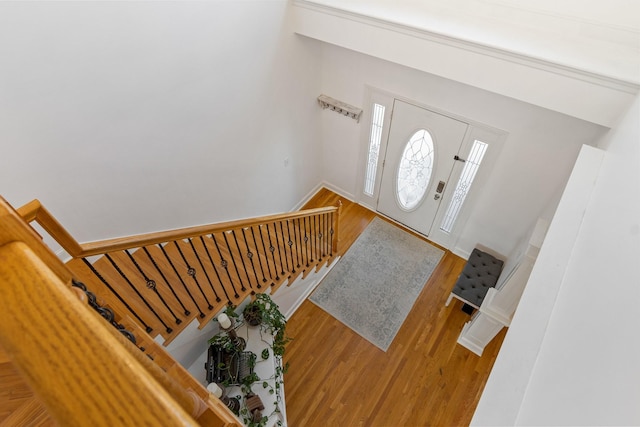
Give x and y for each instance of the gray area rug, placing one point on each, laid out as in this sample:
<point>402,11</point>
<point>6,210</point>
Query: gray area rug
<point>374,285</point>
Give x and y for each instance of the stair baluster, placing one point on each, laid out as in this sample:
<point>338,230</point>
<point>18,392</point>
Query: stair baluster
<point>195,252</point>
<point>142,298</point>
<point>225,265</point>
<point>155,264</point>
<point>151,284</point>
<point>148,328</point>
<point>233,261</point>
<point>250,256</point>
<point>192,272</point>
<point>186,288</point>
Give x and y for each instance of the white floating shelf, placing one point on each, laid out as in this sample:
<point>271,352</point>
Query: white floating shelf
<point>340,107</point>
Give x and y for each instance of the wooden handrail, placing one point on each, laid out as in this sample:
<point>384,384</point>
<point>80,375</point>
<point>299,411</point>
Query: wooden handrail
<point>216,414</point>
<point>13,228</point>
<point>34,211</point>
<point>108,388</point>
<point>44,325</point>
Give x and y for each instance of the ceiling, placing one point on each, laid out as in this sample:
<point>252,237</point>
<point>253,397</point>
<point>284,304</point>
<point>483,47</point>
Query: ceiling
<point>600,37</point>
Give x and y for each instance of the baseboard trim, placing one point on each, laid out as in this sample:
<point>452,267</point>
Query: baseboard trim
<point>317,188</point>
<point>461,253</point>
<point>307,197</point>
<point>339,191</point>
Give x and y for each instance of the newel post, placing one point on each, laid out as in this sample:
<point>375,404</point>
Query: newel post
<point>335,226</point>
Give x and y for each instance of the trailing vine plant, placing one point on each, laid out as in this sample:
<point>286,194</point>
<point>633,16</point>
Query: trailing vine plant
<point>272,322</point>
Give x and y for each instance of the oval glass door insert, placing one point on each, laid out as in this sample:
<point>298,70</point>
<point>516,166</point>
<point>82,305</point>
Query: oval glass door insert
<point>414,171</point>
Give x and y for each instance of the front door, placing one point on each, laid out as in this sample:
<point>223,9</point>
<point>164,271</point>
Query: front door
<point>418,162</point>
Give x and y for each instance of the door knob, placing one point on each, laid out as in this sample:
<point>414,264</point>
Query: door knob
<point>436,197</point>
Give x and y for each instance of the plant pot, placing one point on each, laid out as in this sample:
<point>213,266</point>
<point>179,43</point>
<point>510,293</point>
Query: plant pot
<point>252,315</point>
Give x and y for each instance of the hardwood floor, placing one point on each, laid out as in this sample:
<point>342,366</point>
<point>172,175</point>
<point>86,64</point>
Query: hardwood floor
<point>337,378</point>
<point>18,405</point>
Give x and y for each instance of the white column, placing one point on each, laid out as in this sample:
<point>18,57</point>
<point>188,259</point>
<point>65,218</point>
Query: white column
<point>479,332</point>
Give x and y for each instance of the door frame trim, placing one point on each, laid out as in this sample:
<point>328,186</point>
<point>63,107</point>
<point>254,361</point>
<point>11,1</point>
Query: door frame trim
<point>476,130</point>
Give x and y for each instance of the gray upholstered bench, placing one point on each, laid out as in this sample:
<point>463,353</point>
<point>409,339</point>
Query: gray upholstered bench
<point>480,273</point>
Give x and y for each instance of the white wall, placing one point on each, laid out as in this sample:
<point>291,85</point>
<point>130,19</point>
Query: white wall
<point>585,369</point>
<point>527,180</point>
<point>130,117</point>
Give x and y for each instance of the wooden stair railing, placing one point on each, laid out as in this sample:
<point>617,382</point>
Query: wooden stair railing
<point>164,280</point>
<point>84,371</point>
<point>152,284</point>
